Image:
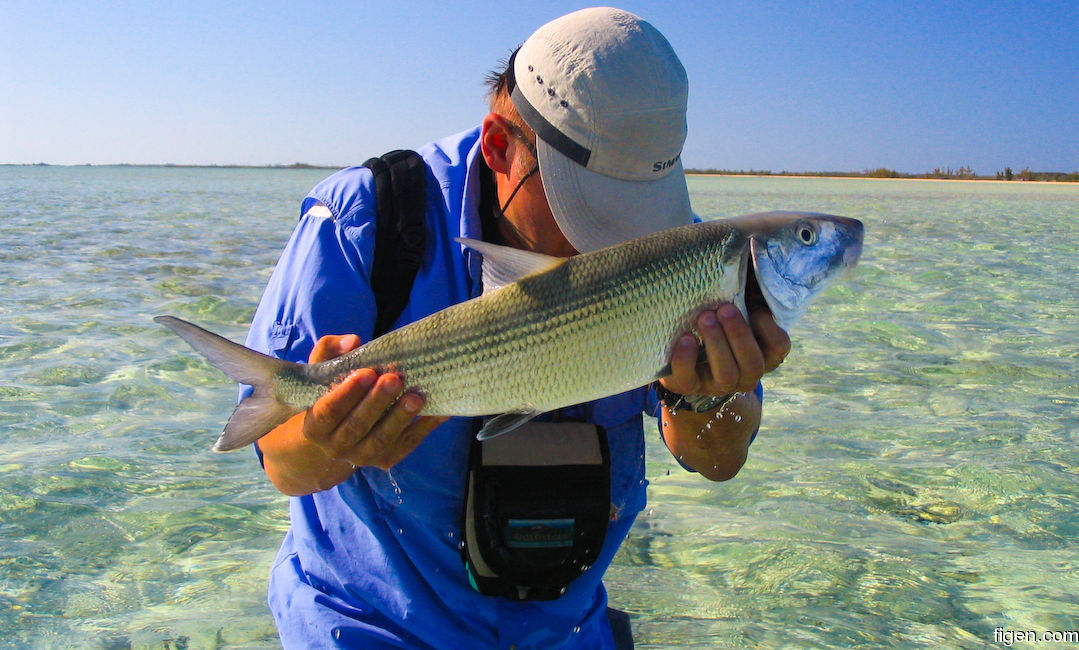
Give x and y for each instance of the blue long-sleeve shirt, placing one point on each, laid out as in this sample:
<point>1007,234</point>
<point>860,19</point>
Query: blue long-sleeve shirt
<point>374,561</point>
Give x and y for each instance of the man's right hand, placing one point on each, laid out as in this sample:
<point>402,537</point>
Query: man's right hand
<point>364,420</point>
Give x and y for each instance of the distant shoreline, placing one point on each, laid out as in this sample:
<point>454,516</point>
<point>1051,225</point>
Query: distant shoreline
<point>178,166</point>
<point>962,174</point>
<point>1025,176</point>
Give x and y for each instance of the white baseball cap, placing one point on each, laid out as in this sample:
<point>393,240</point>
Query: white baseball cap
<point>606,96</point>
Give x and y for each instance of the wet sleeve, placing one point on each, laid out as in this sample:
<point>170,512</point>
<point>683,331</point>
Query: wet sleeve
<point>320,286</point>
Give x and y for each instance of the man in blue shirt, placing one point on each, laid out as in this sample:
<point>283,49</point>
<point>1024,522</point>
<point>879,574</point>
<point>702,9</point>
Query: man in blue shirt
<point>580,150</point>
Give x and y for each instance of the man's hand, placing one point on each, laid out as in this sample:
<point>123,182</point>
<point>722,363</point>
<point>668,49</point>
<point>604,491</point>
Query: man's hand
<point>364,420</point>
<point>736,355</point>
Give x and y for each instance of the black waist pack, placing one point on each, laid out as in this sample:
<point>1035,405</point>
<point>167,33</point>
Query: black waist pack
<point>538,501</point>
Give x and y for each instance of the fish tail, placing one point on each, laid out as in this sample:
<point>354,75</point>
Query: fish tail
<point>257,414</point>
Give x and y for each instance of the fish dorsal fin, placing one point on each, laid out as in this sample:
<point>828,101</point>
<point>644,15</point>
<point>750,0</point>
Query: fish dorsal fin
<point>503,265</point>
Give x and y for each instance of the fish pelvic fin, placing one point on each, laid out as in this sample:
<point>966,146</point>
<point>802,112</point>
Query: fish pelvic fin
<point>257,415</point>
<point>505,423</point>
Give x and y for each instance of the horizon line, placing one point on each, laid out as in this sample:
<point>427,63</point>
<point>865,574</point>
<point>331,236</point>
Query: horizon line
<point>1026,174</point>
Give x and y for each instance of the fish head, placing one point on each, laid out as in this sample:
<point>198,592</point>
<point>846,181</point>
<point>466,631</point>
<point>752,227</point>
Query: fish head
<point>796,255</point>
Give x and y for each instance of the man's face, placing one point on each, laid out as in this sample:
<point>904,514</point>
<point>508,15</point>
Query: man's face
<point>530,212</point>
<point>528,223</point>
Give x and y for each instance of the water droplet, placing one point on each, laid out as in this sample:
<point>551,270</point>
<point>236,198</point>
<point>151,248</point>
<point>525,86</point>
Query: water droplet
<point>396,487</point>
<point>400,531</point>
<point>738,418</point>
<point>337,633</point>
<point>577,629</point>
<point>562,591</point>
<point>651,511</point>
<point>461,545</point>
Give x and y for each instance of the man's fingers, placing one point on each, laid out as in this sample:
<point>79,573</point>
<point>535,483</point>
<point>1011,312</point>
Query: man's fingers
<point>328,413</point>
<point>394,436</point>
<point>744,349</point>
<point>683,378</point>
<point>330,347</point>
<point>723,370</point>
<point>356,428</point>
<point>400,432</point>
<point>365,419</point>
<point>774,341</point>
<point>414,434</point>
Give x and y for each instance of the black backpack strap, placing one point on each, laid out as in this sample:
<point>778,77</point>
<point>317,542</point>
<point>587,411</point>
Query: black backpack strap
<point>400,231</point>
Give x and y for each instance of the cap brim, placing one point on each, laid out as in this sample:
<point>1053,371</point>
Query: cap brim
<point>595,211</point>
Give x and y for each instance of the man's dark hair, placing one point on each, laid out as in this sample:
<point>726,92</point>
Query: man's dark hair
<point>497,79</point>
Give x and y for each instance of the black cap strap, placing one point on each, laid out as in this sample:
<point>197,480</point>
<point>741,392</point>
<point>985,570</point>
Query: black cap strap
<point>546,131</point>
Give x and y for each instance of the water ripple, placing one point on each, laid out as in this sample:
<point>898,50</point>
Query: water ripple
<point>914,482</point>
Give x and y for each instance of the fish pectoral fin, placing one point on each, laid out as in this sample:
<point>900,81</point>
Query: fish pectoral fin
<point>505,423</point>
<point>503,265</point>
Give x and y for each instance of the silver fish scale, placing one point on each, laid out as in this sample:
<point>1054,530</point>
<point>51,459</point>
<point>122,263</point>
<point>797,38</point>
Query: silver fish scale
<point>595,325</point>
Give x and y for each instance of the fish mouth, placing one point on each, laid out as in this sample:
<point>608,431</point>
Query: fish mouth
<point>853,252</point>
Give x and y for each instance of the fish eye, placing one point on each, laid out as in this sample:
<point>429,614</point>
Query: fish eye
<point>807,235</point>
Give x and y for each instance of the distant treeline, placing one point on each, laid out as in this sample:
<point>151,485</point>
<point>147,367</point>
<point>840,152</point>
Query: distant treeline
<point>295,165</point>
<point>962,173</point>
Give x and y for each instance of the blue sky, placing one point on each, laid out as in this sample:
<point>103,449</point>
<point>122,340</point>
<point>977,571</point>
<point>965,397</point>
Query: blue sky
<point>809,86</point>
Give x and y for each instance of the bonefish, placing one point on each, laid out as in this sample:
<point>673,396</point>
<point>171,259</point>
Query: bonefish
<point>550,332</point>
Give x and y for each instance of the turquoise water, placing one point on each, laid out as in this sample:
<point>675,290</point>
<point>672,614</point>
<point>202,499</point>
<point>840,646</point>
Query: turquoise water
<point>915,482</point>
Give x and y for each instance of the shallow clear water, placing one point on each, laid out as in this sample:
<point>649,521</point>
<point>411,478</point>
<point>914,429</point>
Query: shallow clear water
<point>915,482</point>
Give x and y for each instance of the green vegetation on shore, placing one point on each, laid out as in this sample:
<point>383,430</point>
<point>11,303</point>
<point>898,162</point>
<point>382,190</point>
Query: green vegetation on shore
<point>962,173</point>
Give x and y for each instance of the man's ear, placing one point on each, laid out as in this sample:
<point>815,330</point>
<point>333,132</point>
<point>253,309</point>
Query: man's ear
<point>494,142</point>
